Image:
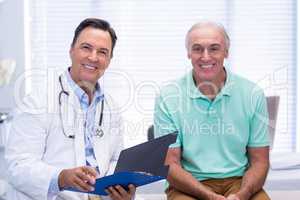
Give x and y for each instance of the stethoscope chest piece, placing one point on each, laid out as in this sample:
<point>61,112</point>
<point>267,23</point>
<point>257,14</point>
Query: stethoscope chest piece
<point>99,132</point>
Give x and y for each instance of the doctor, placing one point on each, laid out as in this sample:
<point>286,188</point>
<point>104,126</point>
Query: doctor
<point>76,141</point>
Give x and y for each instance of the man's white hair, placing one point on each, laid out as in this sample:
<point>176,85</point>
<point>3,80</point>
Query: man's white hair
<point>202,24</point>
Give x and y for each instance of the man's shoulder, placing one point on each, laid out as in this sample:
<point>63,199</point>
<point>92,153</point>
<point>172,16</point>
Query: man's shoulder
<point>175,86</point>
<point>245,90</point>
<point>244,84</point>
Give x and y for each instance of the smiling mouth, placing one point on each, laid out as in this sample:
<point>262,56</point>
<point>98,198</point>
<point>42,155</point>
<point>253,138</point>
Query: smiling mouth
<point>90,67</point>
<point>206,66</point>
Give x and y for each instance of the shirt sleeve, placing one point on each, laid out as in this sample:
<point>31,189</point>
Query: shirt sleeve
<point>53,187</point>
<point>259,123</point>
<point>163,122</point>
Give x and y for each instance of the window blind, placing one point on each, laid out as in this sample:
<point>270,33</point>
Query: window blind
<point>150,49</point>
<point>263,37</point>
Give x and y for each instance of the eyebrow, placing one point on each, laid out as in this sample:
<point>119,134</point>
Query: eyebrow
<point>215,45</point>
<point>85,43</point>
<point>211,45</point>
<point>196,45</point>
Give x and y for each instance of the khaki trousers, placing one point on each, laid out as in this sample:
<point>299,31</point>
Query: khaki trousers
<point>223,187</point>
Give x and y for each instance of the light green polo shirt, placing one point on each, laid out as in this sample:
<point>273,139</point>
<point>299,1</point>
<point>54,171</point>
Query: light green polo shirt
<point>213,135</point>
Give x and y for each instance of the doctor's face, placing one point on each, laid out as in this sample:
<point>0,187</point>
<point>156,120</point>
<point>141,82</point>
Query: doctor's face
<point>90,55</point>
<point>207,51</point>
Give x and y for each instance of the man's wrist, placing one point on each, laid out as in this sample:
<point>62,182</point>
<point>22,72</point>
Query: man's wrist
<point>244,194</point>
<point>209,195</point>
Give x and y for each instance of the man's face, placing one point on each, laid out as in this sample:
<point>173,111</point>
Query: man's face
<point>90,55</point>
<point>207,51</point>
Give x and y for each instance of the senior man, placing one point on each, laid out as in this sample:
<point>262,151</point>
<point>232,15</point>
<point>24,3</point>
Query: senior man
<point>222,149</point>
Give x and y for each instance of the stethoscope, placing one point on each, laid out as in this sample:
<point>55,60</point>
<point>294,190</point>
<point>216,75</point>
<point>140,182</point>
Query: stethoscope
<point>99,131</point>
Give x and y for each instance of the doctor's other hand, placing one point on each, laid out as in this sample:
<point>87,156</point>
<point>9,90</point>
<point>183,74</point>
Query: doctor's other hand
<point>82,178</point>
<point>119,193</point>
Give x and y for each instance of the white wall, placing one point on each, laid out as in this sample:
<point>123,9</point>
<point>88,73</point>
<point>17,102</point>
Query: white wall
<point>11,45</point>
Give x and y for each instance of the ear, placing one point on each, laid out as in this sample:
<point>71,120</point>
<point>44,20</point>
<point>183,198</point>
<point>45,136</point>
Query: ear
<point>226,53</point>
<point>71,51</point>
<point>188,54</point>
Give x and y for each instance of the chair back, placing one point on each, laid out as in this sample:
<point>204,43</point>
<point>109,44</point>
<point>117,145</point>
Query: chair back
<point>272,104</point>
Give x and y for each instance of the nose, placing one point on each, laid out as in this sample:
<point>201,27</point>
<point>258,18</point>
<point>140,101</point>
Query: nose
<point>93,56</point>
<point>205,55</point>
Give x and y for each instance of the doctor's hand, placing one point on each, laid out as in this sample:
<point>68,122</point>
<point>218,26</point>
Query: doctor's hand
<point>81,178</point>
<point>119,193</point>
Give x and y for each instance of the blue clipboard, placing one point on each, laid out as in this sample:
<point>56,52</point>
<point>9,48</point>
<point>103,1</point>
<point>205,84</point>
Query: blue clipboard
<point>139,165</point>
<point>123,179</point>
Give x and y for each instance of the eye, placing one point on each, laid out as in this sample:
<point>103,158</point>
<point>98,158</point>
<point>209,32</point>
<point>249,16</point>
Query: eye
<point>103,53</point>
<point>85,48</point>
<point>214,49</point>
<point>197,49</point>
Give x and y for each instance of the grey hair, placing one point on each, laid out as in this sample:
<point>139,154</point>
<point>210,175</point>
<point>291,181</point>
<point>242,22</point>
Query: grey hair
<point>209,23</point>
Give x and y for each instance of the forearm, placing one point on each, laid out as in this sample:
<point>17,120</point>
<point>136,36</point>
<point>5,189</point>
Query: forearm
<point>37,186</point>
<point>254,179</point>
<point>185,182</point>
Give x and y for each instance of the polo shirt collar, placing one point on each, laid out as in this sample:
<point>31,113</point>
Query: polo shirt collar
<point>193,91</point>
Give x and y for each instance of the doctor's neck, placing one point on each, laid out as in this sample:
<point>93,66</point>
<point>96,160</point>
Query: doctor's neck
<point>88,88</point>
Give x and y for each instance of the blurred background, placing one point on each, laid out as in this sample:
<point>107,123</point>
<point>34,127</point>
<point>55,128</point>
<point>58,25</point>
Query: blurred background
<point>35,36</point>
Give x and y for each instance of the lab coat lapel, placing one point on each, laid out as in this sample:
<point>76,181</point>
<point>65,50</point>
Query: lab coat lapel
<point>101,144</point>
<point>79,133</point>
<point>77,119</point>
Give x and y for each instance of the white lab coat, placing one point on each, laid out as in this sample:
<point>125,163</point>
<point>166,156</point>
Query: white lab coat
<point>37,147</point>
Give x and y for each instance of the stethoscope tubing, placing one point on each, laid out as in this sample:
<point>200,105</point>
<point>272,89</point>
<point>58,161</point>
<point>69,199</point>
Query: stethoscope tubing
<point>99,131</point>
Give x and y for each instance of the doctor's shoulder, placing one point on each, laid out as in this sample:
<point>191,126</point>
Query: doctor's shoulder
<point>111,105</point>
<point>33,105</point>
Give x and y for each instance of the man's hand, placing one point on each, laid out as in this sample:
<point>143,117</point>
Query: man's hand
<point>81,178</point>
<point>217,197</point>
<point>119,193</point>
<point>233,197</point>
<point>238,196</point>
